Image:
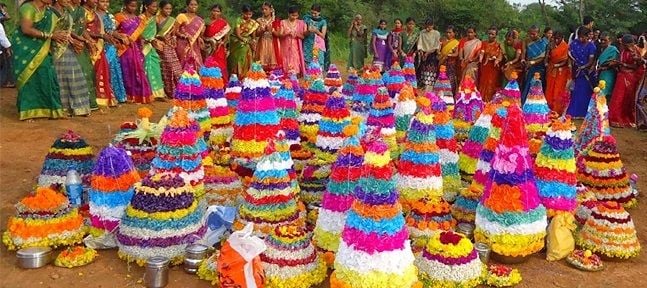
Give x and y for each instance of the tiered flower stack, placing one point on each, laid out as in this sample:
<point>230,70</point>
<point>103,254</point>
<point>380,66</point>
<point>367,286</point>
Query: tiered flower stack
<point>330,136</point>
<point>351,82</point>
<point>222,185</point>
<point>333,82</point>
<point>191,96</point>
<point>409,70</point>
<point>394,80</point>
<point>232,93</point>
<point>221,129</point>
<point>296,86</point>
<point>469,155</point>
<point>446,141</point>
<point>536,114</point>
<point>443,87</point>
<point>595,124</point>
<point>69,152</point>
<point>365,91</point>
<point>313,73</point>
<point>467,109</point>
<point>405,108</point>
<point>314,101</point>
<point>286,107</point>
<point>381,120</point>
<point>609,231</point>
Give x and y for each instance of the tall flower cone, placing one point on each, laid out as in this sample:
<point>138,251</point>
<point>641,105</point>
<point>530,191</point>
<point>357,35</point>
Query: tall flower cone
<point>314,101</point>
<point>330,136</point>
<point>286,107</point>
<point>409,71</point>
<point>613,239</point>
<point>282,146</point>
<point>382,119</point>
<point>446,141</point>
<point>232,93</point>
<point>313,73</point>
<point>595,124</point>
<point>333,82</point>
<point>469,155</point>
<point>394,80</point>
<point>140,139</point>
<point>374,251</point>
<point>222,185</point>
<point>68,152</point>
<point>191,96</point>
<point>349,86</point>
<point>510,217</point>
<point>365,92</point>
<point>555,169</point>
<point>511,91</point>
<point>405,108</point>
<point>443,87</point>
<point>536,114</point>
<point>338,196</point>
<point>467,109</point>
<point>214,89</point>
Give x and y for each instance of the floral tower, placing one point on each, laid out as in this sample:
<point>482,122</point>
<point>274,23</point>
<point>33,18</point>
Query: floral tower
<point>296,86</point>
<point>443,87</point>
<point>69,152</point>
<point>140,139</point>
<point>469,155</point>
<point>214,90</point>
<point>595,124</point>
<point>351,82</point>
<point>286,107</point>
<point>222,185</point>
<point>605,175</point>
<point>555,169</point>
<point>382,119</point>
<point>467,109</point>
<point>191,96</point>
<point>338,195</point>
<point>365,91</point>
<point>609,231</point>
<point>405,108</point>
<point>313,72</point>
<point>314,101</point>
<point>313,180</point>
<point>409,70</point>
<point>333,80</point>
<point>111,188</point>
<point>394,80</point>
<point>374,250</point>
<point>256,119</point>
<point>510,216</point>
<point>232,93</point>
<point>536,114</point>
<point>511,91</point>
<point>448,147</point>
<point>330,136</point>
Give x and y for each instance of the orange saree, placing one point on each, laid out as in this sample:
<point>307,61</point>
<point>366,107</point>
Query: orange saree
<point>490,73</point>
<point>557,75</point>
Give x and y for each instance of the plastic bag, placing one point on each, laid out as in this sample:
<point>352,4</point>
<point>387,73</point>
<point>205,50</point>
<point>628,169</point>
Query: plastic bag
<point>239,264</point>
<point>219,221</point>
<point>560,237</point>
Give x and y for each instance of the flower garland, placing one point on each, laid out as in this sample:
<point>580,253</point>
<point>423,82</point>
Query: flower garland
<point>221,129</point>
<point>75,257</point>
<point>596,122</point>
<point>394,80</point>
<point>208,269</point>
<point>446,141</point>
<point>286,107</point>
<point>536,114</point>
<point>191,96</point>
<point>349,86</point>
<point>409,71</point>
<point>69,152</point>
<point>232,93</point>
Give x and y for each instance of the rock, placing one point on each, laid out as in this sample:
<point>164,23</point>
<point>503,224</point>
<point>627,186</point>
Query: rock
<point>54,276</point>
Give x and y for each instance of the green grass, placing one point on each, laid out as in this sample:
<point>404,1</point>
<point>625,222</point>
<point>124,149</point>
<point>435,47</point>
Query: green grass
<point>339,49</point>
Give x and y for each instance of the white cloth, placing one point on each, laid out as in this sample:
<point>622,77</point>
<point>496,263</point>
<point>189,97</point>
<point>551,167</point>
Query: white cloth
<point>429,41</point>
<point>4,41</point>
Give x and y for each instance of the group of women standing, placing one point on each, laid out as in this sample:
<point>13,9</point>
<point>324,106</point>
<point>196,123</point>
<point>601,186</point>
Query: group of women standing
<point>74,56</point>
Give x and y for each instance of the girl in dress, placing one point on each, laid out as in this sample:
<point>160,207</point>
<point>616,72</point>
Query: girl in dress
<point>291,34</point>
<point>428,46</point>
<point>268,46</point>
<point>395,43</point>
<point>110,50</point>
<point>151,58</point>
<point>357,35</point>
<point>379,45</point>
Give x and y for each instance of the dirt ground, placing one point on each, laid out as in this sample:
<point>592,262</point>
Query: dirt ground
<point>23,146</point>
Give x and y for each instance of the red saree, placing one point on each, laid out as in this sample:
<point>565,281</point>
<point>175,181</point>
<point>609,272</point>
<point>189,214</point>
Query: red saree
<point>557,75</point>
<point>622,110</point>
<point>105,96</point>
<point>215,35</point>
<point>188,49</point>
<point>490,74</point>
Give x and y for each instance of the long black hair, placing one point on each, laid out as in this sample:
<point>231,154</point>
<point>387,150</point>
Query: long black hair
<point>145,4</point>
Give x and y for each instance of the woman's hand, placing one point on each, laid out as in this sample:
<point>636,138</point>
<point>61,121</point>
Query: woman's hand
<point>60,36</point>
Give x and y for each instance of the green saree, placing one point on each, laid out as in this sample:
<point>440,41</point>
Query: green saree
<point>78,27</point>
<point>151,58</point>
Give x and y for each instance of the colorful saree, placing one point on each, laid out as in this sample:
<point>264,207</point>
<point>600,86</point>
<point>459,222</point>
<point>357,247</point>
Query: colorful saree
<point>171,68</point>
<point>394,41</point>
<point>138,89</point>
<point>490,74</point>
<point>641,105</point>
<point>151,58</point>
<point>607,73</point>
<point>292,46</point>
<point>510,52</point>
<point>116,77</point>
<point>557,75</point>
<point>535,53</point>
<point>622,108</point>
<point>78,28</point>
<point>268,46</point>
<point>103,87</point>
<point>215,36</point>
<point>71,80</point>
<point>241,53</point>
<point>309,42</point>
<point>380,47</point>
<point>38,90</point>
<point>469,51</point>
<point>409,43</point>
<point>583,80</point>
<point>188,49</point>
<point>451,62</point>
<point>357,48</point>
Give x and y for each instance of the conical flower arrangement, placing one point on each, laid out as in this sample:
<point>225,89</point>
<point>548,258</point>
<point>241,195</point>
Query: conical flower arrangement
<point>409,70</point>
<point>256,119</point>
<point>443,87</point>
<point>365,91</point>
<point>394,80</point>
<point>555,169</point>
<point>296,86</point>
<point>374,250</point>
<point>467,109</point>
<point>232,93</point>
<point>313,72</point>
<point>333,80</point>
<point>405,108</point>
<point>313,180</point>
<point>283,148</point>
<point>140,139</point>
<point>338,196</point>
<point>314,101</point>
<point>609,231</point>
<point>510,217</point>
<point>290,260</point>
<point>163,217</point>
<point>446,141</point>
<point>382,119</point>
<point>111,188</point>
<point>604,173</point>
<point>351,82</point>
<point>469,155</point>
<point>330,136</point>
<point>222,185</point>
<point>213,84</point>
<point>286,107</point>
<point>511,91</point>
<point>68,152</point>
<point>191,96</point>
<point>536,114</point>
<point>595,124</point>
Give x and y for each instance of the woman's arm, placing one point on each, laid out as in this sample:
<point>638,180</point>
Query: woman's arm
<point>373,38</point>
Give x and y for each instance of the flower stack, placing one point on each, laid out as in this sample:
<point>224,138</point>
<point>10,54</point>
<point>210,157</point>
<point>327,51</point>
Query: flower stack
<point>555,169</point>
<point>381,119</point>
<point>313,73</point>
<point>605,175</point>
<point>443,87</point>
<point>338,196</point>
<point>313,180</point>
<point>180,152</point>
<point>394,80</point>
<point>140,139</point>
<point>269,201</point>
<point>44,219</point>
<point>469,155</point>
<point>595,124</point>
<point>450,260</point>
<point>405,108</point>
<point>409,71</point>
<point>276,81</point>
<point>609,231</point>
<point>69,152</point>
<point>256,119</point>
<point>536,114</point>
<point>467,109</point>
<point>314,101</point>
<point>448,147</point>
<point>163,217</point>
<point>510,217</point>
<point>291,260</point>
<point>333,80</point>
<point>191,96</point>
<point>330,136</point>
<point>365,91</point>
<point>214,86</point>
<point>374,250</point>
<point>511,91</point>
<point>585,202</point>
<point>283,148</point>
<point>222,185</point>
<point>296,86</point>
<point>232,94</point>
<point>111,188</point>
<point>286,107</point>
<point>351,82</point>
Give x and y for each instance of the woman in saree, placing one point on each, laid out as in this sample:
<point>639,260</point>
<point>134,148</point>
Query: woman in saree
<point>71,80</point>
<point>534,60</point>
<point>490,70</point>
<point>641,102</point>
<point>151,58</point>
<point>379,47</point>
<point>130,28</point>
<point>242,45</point>
<point>582,53</point>
<point>428,46</point>
<point>79,25</point>
<point>622,108</point>
<point>94,28</point>
<point>557,74</point>
<point>292,34</point>
<point>512,50</point>
<point>317,28</point>
<point>268,46</point>
<point>449,56</point>
<point>607,64</point>
<point>171,68</point>
<point>215,39</point>
<point>357,33</point>
<point>395,43</point>
<point>409,40</point>
<point>110,50</point>
<point>189,35</point>
<point>469,50</point>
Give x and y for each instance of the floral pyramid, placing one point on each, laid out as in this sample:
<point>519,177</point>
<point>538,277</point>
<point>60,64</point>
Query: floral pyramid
<point>609,231</point>
<point>69,152</point>
<point>443,87</point>
<point>338,196</point>
<point>44,219</point>
<point>191,96</point>
<point>448,147</point>
<point>214,90</point>
<point>296,86</point>
<point>351,82</point>
<point>365,91</point>
<point>469,155</point>
<point>222,185</point>
<point>111,188</point>
<point>314,101</point>
<point>409,70</point>
<point>555,169</point>
<point>467,109</point>
<point>163,217</point>
<point>405,108</point>
<point>313,180</point>
<point>232,93</point>
<point>536,114</point>
<point>511,91</point>
<point>382,119</point>
<point>374,251</point>
<point>330,136</point>
<point>286,107</point>
<point>333,80</point>
<point>283,148</point>
<point>394,80</point>
<point>595,124</point>
<point>140,139</point>
<point>510,217</point>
